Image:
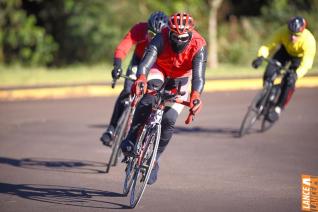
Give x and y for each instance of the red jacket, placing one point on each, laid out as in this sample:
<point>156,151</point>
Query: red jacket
<point>177,65</point>
<point>136,36</point>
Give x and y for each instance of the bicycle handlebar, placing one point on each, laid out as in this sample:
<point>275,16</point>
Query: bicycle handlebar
<point>172,97</point>
<point>122,76</point>
<point>191,115</point>
<point>277,64</point>
<point>281,69</point>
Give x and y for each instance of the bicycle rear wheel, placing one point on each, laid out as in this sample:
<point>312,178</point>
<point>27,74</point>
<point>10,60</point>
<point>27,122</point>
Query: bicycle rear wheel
<point>142,171</point>
<point>253,113</point>
<point>118,137</point>
<point>266,125</point>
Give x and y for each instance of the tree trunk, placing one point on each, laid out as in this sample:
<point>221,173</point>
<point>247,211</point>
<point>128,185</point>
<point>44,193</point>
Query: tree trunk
<point>213,50</point>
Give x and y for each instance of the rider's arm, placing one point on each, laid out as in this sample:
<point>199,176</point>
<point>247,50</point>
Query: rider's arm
<point>309,55</point>
<point>134,35</point>
<point>150,56</point>
<point>271,44</point>
<point>198,70</point>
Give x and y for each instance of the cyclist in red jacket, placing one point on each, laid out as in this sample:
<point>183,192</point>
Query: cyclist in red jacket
<point>178,52</point>
<point>139,35</point>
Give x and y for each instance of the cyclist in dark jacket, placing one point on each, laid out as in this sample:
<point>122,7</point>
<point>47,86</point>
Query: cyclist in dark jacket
<point>296,45</point>
<point>139,35</point>
<point>178,52</point>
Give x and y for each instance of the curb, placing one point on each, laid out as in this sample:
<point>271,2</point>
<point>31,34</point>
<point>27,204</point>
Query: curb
<point>79,91</point>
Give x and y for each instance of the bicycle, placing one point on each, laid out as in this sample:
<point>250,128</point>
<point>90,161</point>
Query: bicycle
<point>141,162</point>
<point>123,126</point>
<point>264,102</point>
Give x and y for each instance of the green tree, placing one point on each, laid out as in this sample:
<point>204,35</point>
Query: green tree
<point>20,39</point>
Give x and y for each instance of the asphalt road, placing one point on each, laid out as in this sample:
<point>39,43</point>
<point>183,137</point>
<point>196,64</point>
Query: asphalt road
<point>51,158</point>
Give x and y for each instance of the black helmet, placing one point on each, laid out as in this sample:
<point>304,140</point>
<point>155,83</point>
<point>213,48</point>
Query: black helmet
<point>297,24</point>
<point>157,21</point>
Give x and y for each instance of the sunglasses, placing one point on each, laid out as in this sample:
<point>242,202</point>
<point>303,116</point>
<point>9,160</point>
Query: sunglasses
<point>180,38</point>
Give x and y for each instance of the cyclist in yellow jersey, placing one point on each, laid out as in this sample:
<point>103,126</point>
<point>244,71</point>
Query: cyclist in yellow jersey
<point>296,45</point>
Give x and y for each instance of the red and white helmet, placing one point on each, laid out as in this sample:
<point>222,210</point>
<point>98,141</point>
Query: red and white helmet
<point>181,23</point>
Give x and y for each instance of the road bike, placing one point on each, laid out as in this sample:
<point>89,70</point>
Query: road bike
<point>123,126</point>
<point>264,102</point>
<point>140,163</point>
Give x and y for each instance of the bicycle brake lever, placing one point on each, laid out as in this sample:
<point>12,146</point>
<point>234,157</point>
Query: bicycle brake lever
<point>114,83</point>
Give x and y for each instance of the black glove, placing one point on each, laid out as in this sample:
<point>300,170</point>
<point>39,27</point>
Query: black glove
<point>257,62</point>
<point>117,71</point>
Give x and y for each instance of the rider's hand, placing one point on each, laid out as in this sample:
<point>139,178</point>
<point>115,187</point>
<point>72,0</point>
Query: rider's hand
<point>195,102</point>
<point>257,62</point>
<point>140,85</point>
<point>117,71</point>
<point>292,77</point>
<point>195,106</point>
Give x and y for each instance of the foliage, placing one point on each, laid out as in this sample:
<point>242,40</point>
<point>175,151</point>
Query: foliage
<point>63,32</point>
<point>21,39</point>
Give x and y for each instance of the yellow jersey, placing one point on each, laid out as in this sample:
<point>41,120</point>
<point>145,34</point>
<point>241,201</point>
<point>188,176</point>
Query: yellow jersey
<point>304,48</point>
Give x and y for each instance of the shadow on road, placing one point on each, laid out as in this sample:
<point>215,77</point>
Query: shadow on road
<point>63,195</point>
<point>103,126</point>
<point>199,130</point>
<point>61,165</point>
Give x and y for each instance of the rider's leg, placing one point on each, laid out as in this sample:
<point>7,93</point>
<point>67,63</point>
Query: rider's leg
<point>154,172</point>
<point>172,112</point>
<point>167,128</point>
<point>287,90</point>
<point>120,103</point>
<point>288,84</point>
<point>155,80</point>
<point>169,118</point>
<point>119,107</point>
<point>118,110</point>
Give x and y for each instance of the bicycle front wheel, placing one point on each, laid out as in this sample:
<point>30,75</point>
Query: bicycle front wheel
<point>146,163</point>
<point>253,113</point>
<point>129,175</point>
<point>118,137</point>
<point>131,167</point>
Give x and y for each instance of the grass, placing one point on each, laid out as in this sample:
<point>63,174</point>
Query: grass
<point>24,76</point>
<point>20,76</point>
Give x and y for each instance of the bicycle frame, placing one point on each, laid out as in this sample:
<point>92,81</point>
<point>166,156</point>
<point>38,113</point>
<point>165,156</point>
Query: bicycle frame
<point>154,119</point>
<point>264,100</point>
<point>148,134</point>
